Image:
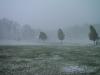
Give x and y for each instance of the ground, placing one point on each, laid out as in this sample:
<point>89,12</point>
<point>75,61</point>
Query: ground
<point>49,60</point>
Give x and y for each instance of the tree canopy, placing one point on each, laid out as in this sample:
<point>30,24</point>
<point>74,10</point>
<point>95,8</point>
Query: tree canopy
<point>42,36</point>
<point>93,35</point>
<point>61,35</point>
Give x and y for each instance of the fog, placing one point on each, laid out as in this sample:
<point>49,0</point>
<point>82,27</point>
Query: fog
<point>51,13</point>
<point>73,16</point>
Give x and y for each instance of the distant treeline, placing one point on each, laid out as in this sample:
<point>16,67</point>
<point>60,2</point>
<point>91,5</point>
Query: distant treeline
<point>10,30</point>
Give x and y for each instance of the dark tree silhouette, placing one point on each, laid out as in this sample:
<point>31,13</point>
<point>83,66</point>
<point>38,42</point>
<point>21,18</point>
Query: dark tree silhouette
<point>93,35</point>
<point>42,36</point>
<point>61,35</point>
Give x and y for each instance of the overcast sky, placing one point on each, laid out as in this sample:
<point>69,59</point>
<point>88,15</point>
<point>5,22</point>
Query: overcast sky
<point>51,13</point>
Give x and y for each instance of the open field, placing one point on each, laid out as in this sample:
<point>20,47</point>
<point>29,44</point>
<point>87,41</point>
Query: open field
<point>49,60</point>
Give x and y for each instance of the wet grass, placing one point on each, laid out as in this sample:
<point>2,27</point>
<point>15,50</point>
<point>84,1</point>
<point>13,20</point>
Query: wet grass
<point>48,60</point>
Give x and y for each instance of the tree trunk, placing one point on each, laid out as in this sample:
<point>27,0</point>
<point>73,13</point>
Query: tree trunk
<point>61,42</point>
<point>94,43</point>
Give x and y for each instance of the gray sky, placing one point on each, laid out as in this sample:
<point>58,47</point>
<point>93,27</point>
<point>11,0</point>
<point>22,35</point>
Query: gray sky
<point>51,13</point>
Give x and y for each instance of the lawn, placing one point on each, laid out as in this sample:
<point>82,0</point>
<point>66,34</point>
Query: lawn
<point>49,60</point>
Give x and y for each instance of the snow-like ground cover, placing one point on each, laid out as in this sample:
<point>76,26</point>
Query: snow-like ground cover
<point>49,60</point>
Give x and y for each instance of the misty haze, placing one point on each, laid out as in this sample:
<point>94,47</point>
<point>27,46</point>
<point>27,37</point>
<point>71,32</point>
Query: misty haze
<point>49,37</point>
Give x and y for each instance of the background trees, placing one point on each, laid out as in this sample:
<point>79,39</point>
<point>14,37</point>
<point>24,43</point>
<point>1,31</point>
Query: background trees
<point>27,32</point>
<point>13,31</point>
<point>61,35</point>
<point>9,30</point>
<point>93,35</point>
<point>42,36</point>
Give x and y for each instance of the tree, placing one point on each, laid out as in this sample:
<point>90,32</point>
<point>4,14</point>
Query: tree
<point>42,36</point>
<point>61,35</point>
<point>93,35</point>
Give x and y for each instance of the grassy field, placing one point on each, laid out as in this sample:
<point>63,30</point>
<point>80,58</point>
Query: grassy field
<point>49,60</point>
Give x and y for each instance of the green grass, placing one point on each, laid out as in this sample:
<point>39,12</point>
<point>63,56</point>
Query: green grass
<point>48,60</point>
